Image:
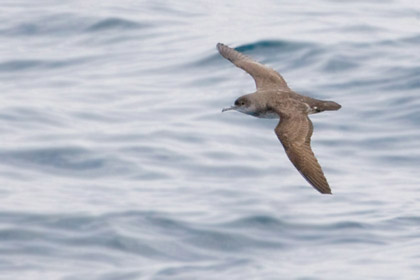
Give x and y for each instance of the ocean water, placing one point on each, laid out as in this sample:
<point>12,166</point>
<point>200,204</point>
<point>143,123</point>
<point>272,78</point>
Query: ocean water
<point>117,163</point>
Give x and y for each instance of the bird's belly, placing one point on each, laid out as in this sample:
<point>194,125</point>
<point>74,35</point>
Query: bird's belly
<point>267,115</point>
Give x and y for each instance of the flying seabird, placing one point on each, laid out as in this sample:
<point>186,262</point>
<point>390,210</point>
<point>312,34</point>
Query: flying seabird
<point>274,99</point>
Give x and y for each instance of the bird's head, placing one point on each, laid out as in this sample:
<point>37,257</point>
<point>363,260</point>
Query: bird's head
<point>244,105</point>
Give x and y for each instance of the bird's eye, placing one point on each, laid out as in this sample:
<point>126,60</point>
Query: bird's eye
<point>242,103</point>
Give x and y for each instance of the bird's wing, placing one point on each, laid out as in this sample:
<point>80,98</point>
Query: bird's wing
<point>294,132</point>
<point>265,77</point>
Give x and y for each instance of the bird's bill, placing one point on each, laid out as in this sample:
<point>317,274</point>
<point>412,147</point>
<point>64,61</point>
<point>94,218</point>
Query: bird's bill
<point>230,108</point>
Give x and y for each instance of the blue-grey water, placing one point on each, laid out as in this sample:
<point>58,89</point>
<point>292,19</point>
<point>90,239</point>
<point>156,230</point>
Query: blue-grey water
<point>117,163</point>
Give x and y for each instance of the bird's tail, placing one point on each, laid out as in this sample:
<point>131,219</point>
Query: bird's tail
<point>330,106</point>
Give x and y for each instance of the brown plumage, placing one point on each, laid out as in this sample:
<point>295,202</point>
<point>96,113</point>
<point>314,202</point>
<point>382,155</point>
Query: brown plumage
<point>274,98</point>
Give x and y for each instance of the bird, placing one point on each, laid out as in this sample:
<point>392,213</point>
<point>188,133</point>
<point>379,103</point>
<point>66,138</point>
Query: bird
<point>274,99</point>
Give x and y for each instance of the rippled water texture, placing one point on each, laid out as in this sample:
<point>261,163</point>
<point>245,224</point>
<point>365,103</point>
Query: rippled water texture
<point>117,163</point>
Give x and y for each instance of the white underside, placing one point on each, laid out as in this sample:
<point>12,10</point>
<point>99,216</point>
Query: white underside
<point>269,115</point>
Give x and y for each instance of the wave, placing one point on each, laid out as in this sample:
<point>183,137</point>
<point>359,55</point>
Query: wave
<point>65,24</point>
<point>112,24</point>
<point>67,161</point>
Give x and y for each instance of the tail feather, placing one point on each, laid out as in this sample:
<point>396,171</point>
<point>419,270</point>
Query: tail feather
<point>331,106</point>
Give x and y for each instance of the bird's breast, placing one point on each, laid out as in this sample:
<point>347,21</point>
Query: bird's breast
<point>268,114</point>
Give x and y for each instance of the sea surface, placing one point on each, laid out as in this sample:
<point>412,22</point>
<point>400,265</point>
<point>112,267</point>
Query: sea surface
<point>117,163</point>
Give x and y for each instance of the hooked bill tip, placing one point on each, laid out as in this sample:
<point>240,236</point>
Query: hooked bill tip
<point>229,108</point>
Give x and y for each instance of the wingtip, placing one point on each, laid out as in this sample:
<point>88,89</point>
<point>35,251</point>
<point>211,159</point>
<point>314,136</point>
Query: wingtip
<point>338,106</point>
<point>325,189</point>
<point>328,191</point>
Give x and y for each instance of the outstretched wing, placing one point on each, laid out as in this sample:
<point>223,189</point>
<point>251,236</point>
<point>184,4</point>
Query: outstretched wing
<point>294,132</point>
<point>264,76</point>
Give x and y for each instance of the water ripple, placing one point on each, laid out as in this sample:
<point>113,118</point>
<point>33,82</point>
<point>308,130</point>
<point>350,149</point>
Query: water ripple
<point>65,161</point>
<point>111,24</point>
